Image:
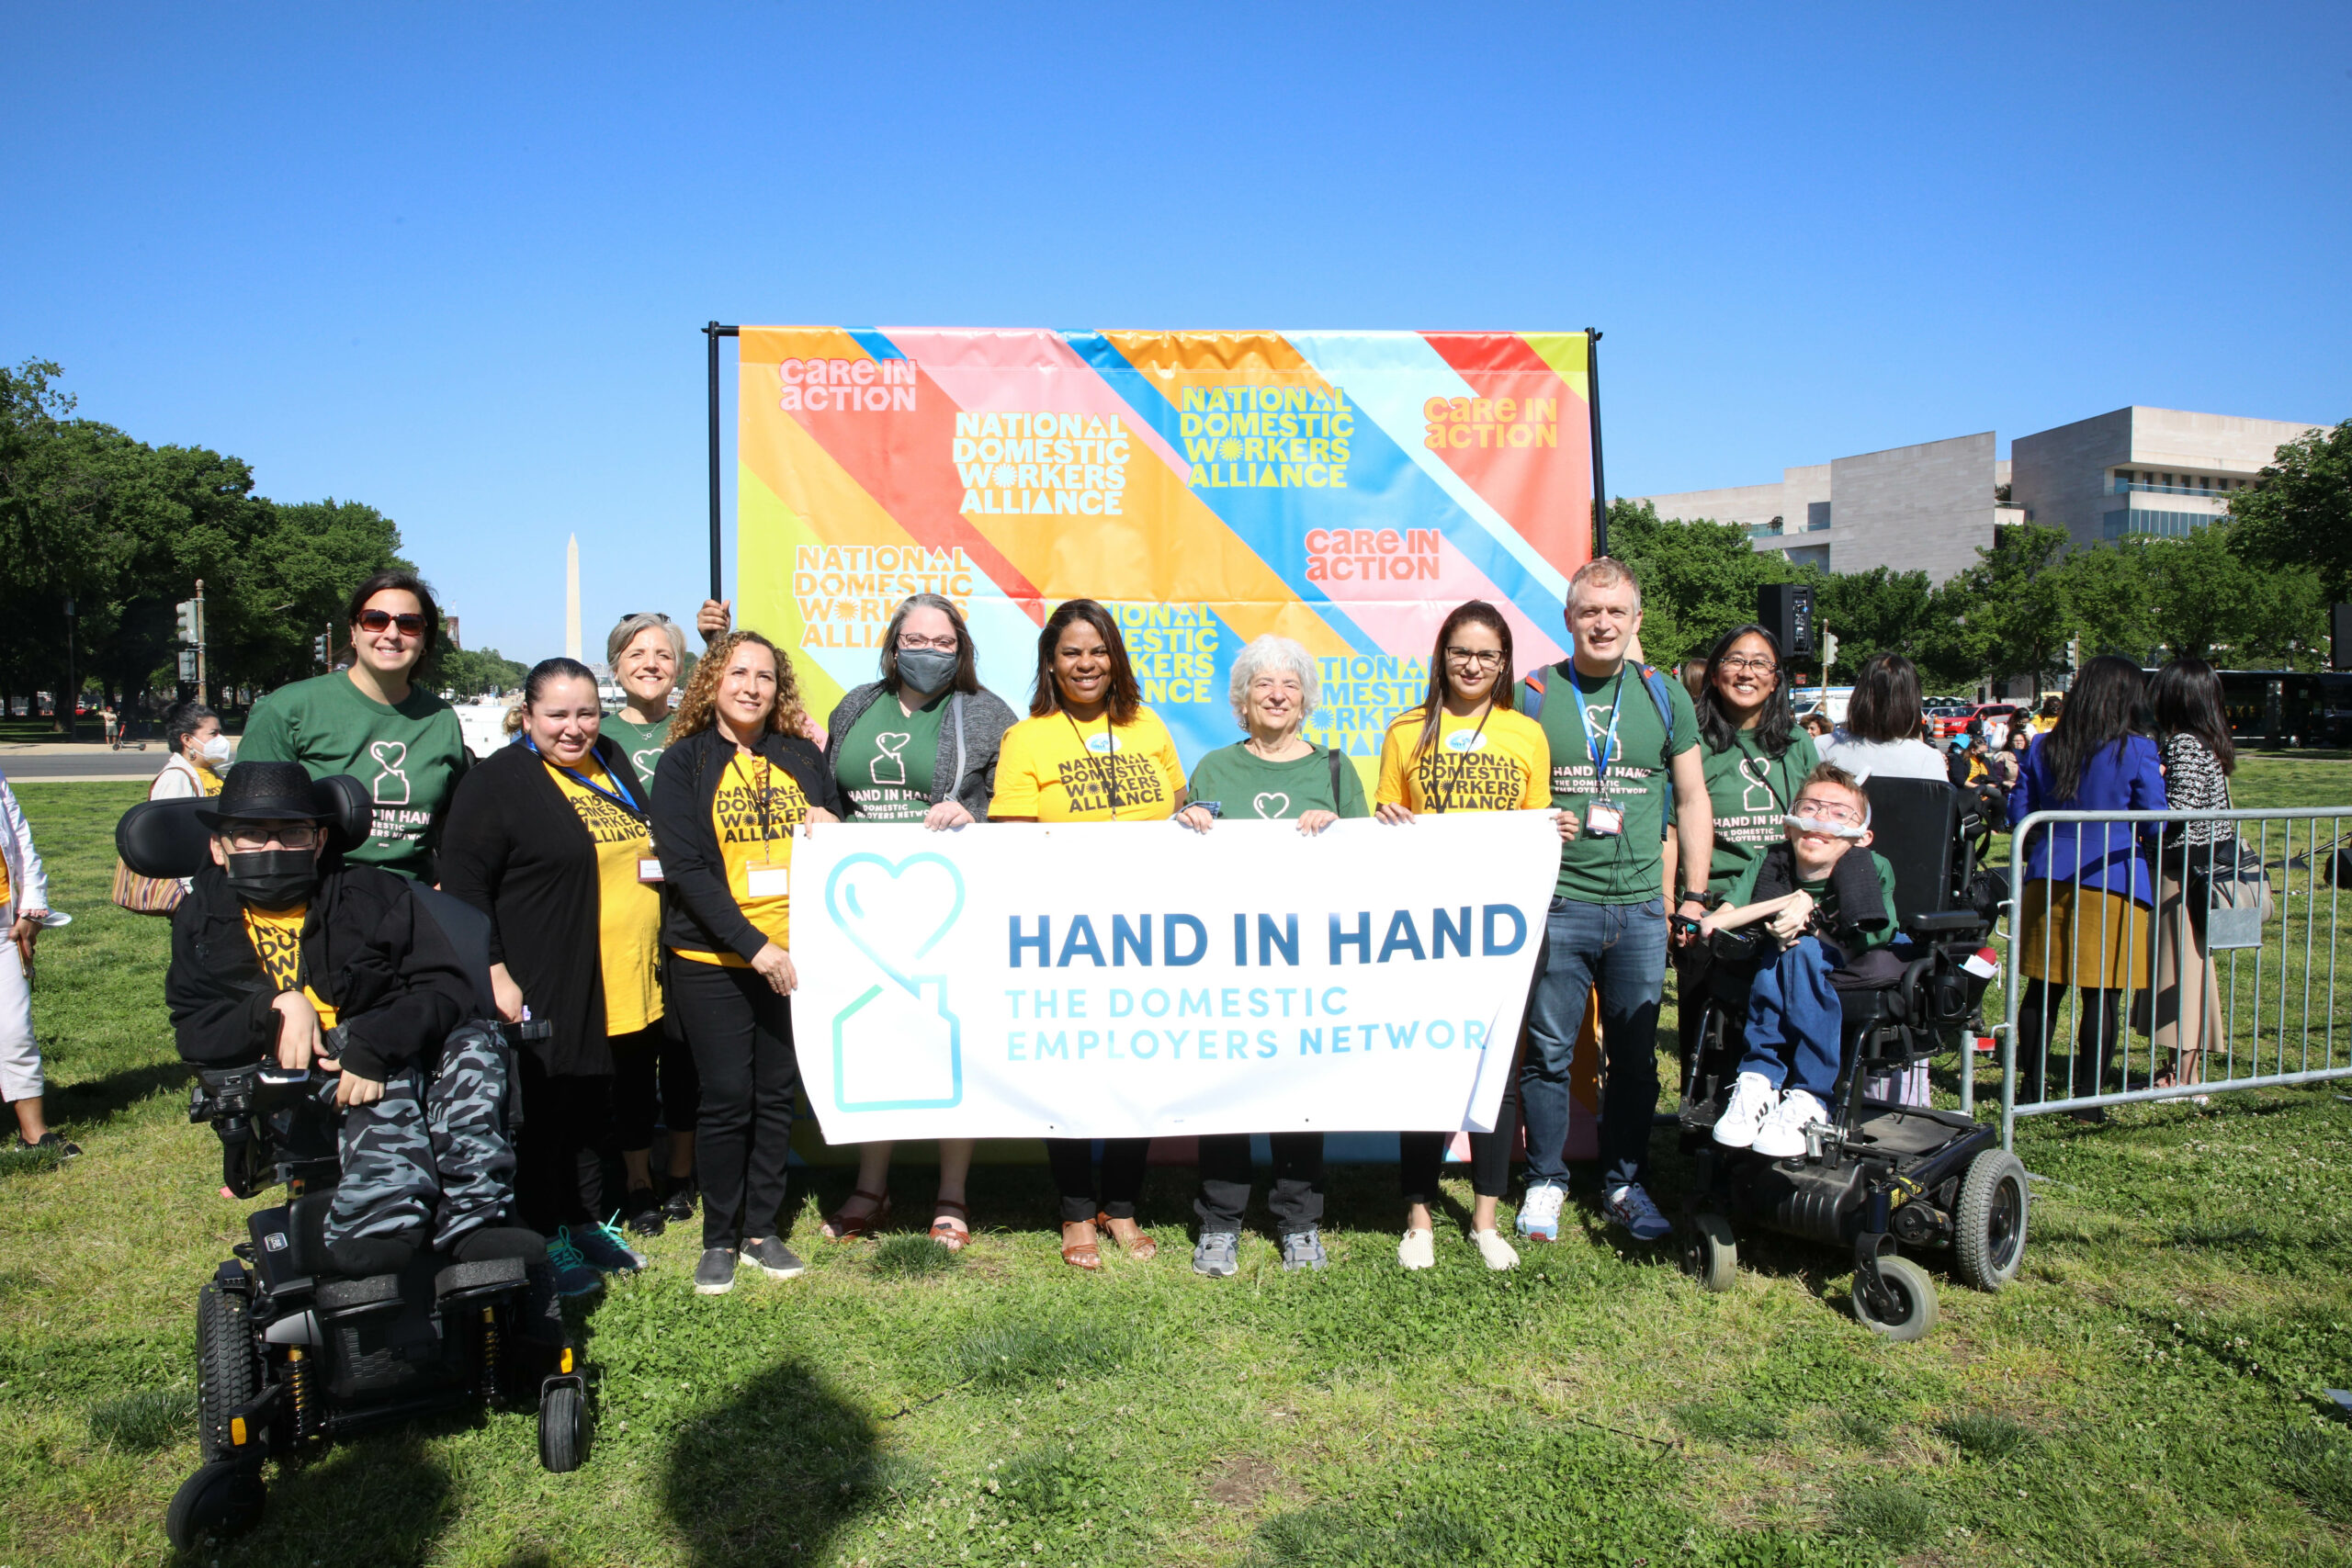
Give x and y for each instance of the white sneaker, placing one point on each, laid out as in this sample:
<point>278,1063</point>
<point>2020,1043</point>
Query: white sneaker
<point>1629,1205</point>
<point>1752,1099</point>
<point>1538,1212</point>
<point>1499,1254</point>
<point>1782,1134</point>
<point>1417,1251</point>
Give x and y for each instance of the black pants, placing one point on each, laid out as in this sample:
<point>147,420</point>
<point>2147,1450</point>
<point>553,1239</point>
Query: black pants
<point>1072,1163</point>
<point>1296,1199</point>
<point>1420,1156</point>
<point>2095,1041</point>
<point>645,1064</point>
<point>742,1035</point>
<point>566,1117</point>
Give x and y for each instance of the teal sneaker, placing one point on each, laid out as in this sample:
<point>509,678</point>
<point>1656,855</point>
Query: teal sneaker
<point>574,1276</point>
<point>604,1247</point>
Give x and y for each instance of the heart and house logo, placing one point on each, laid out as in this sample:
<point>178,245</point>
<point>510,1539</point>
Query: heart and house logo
<point>897,1046</point>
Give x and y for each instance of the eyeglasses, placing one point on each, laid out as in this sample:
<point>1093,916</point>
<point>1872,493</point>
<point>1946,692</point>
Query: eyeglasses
<point>944,644</point>
<point>1762,665</point>
<point>409,621</point>
<point>1827,810</point>
<point>257,835</point>
<point>1475,658</point>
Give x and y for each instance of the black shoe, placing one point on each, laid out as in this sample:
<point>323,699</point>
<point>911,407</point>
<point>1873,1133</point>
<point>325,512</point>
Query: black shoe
<point>500,1241</point>
<point>644,1211</point>
<point>357,1258</point>
<point>679,1206</point>
<point>51,1142</point>
<point>775,1260</point>
<point>714,1275</point>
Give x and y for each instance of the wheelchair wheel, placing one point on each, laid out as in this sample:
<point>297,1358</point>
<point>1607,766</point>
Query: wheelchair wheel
<point>563,1428</point>
<point>1914,1301</point>
<point>1710,1252</point>
<point>222,1499</point>
<point>1988,1224</point>
<point>227,1375</point>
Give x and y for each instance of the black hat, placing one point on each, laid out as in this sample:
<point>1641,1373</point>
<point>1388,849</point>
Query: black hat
<point>266,792</point>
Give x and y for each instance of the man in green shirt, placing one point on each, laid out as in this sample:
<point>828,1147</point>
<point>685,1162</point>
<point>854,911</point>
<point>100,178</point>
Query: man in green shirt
<point>1622,736</point>
<point>372,722</point>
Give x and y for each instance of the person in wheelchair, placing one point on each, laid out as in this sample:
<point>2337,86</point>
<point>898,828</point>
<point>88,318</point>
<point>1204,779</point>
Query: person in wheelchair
<point>283,952</point>
<point>1829,904</point>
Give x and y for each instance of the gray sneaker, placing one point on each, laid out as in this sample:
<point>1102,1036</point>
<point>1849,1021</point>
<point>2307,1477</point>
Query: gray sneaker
<point>1304,1249</point>
<point>714,1275</point>
<point>1217,1254</point>
<point>775,1260</point>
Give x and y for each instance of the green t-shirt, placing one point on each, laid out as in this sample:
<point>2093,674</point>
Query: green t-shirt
<point>1750,792</point>
<point>1826,900</point>
<point>1627,867</point>
<point>1248,788</point>
<point>643,742</point>
<point>410,757</point>
<point>887,759</point>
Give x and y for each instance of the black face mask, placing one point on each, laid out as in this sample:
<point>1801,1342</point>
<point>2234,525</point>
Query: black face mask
<point>273,879</point>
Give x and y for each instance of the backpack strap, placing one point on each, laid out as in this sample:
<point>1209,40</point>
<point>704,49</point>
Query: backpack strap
<point>1331,756</point>
<point>1655,682</point>
<point>1530,701</point>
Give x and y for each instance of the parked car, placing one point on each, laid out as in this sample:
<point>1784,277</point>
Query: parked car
<point>1997,717</point>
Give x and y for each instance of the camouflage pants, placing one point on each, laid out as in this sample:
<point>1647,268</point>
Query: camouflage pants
<point>432,1156</point>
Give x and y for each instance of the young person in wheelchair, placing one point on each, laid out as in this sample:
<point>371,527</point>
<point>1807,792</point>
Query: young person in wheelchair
<point>284,953</point>
<point>1829,904</point>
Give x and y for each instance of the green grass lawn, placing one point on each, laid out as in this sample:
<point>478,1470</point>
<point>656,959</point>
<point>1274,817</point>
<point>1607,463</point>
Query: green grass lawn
<point>2151,1390</point>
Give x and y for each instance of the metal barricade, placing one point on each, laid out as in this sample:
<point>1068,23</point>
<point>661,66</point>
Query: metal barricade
<point>2173,953</point>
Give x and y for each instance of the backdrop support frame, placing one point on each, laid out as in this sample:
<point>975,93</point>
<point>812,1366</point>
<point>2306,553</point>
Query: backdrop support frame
<point>713,332</point>
<point>1593,402</point>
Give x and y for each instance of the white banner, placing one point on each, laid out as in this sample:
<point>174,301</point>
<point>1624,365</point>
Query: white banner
<point>1134,980</point>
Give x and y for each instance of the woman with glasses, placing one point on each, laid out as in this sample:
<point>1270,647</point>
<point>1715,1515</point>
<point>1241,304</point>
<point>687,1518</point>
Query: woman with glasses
<point>1090,751</point>
<point>919,745</point>
<point>1465,747</point>
<point>375,722</point>
<point>548,838</point>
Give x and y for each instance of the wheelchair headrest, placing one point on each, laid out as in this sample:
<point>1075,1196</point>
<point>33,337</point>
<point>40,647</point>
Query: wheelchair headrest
<point>1915,823</point>
<point>163,837</point>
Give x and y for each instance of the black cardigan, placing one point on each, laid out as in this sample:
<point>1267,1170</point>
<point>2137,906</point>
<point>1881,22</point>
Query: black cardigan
<point>368,947</point>
<point>699,911</point>
<point>515,849</point>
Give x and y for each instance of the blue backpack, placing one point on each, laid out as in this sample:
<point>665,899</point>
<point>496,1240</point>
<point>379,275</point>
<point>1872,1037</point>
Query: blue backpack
<point>1531,703</point>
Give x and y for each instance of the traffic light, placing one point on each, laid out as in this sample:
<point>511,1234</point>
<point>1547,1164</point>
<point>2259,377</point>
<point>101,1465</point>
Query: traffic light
<point>190,631</point>
<point>1828,647</point>
<point>1785,609</point>
<point>319,648</point>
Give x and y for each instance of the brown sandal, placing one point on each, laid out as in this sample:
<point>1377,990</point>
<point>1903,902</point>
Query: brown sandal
<point>944,1228</point>
<point>839,1228</point>
<point>1086,1255</point>
<point>1142,1249</point>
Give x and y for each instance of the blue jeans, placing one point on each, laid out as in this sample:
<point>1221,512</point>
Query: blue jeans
<point>1621,949</point>
<point>1793,1004</point>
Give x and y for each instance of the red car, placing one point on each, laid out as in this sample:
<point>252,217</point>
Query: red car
<point>1954,719</point>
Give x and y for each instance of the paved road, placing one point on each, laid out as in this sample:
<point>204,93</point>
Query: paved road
<point>79,762</point>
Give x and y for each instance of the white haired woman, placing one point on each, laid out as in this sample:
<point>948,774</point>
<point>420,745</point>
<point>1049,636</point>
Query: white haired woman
<point>1274,773</point>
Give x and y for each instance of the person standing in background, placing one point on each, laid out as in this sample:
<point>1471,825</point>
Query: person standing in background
<point>199,754</point>
<point>919,745</point>
<point>374,722</point>
<point>1052,769</point>
<point>646,654</point>
<point>24,906</point>
<point>2198,758</point>
<point>1881,736</point>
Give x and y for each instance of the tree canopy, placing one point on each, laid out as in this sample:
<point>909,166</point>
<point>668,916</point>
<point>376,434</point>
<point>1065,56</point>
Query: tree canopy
<point>2298,512</point>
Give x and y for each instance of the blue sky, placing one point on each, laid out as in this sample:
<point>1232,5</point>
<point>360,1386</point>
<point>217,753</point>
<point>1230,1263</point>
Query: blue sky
<point>451,261</point>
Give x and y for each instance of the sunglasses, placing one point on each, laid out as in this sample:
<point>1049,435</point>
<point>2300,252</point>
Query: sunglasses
<point>410,622</point>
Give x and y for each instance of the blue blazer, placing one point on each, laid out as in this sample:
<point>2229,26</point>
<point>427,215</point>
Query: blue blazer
<point>2124,776</point>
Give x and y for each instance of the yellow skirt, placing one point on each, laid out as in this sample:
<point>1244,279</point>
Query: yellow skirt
<point>2083,936</point>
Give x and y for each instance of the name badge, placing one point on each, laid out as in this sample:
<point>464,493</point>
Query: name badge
<point>647,869</point>
<point>768,881</point>
<point>1603,821</point>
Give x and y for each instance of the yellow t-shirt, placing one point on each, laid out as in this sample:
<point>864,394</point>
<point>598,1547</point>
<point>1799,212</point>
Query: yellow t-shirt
<point>629,912</point>
<point>207,779</point>
<point>754,813</point>
<point>1056,770</point>
<point>1503,765</point>
<point>277,936</point>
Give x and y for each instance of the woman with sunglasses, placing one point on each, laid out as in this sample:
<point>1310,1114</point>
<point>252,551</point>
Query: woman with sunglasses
<point>919,745</point>
<point>375,722</point>
<point>548,838</point>
<point>1465,747</point>
<point>1090,751</point>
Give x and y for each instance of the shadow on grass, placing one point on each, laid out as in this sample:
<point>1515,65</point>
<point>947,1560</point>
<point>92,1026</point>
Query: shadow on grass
<point>102,1100</point>
<point>379,1500</point>
<point>770,1475</point>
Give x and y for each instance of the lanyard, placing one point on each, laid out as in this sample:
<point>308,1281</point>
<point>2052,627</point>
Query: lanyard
<point>625,800</point>
<point>1106,767</point>
<point>1609,746</point>
<point>1460,763</point>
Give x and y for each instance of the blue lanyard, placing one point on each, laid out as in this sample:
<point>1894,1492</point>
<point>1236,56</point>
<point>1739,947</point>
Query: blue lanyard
<point>1608,746</point>
<point>625,800</point>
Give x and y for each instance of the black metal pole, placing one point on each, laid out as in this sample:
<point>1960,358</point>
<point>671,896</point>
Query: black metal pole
<point>1592,398</point>
<point>711,333</point>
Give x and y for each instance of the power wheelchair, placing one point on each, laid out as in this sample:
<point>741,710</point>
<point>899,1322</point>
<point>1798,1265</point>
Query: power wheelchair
<point>291,1355</point>
<point>1878,1175</point>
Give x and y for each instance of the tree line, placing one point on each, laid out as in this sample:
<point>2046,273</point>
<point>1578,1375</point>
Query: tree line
<point>124,530</point>
<point>2250,591</point>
